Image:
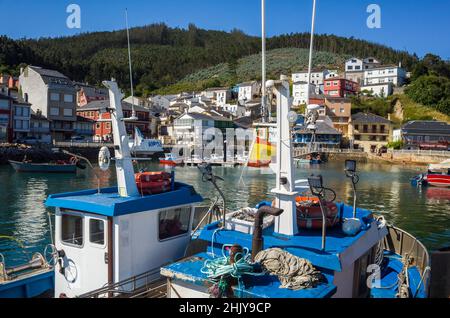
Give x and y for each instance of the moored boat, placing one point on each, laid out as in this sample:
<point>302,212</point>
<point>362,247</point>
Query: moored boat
<point>58,167</point>
<point>171,160</point>
<point>438,175</point>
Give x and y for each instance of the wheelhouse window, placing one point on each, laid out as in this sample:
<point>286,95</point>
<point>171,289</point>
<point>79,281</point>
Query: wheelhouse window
<point>97,231</point>
<point>173,223</point>
<point>72,229</point>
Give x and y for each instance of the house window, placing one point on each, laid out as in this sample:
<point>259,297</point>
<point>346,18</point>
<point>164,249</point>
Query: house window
<point>356,127</point>
<point>382,127</point>
<point>97,231</point>
<point>357,137</point>
<point>72,229</point>
<point>68,98</point>
<point>54,111</point>
<point>365,128</point>
<point>173,223</point>
<point>97,126</point>
<point>54,97</point>
<point>68,112</point>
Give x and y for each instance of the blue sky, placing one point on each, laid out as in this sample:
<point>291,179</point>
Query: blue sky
<point>419,26</point>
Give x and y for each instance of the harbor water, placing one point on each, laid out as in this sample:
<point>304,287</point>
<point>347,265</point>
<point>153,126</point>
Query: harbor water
<point>385,189</point>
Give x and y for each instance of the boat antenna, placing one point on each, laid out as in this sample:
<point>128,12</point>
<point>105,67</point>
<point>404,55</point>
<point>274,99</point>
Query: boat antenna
<point>133,112</point>
<point>311,48</point>
<point>263,58</point>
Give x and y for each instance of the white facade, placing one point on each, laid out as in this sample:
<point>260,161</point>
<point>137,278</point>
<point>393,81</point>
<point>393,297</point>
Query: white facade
<point>317,77</point>
<point>389,74</point>
<point>235,110</point>
<point>248,90</point>
<point>162,102</point>
<point>299,90</point>
<point>379,90</point>
<point>354,65</point>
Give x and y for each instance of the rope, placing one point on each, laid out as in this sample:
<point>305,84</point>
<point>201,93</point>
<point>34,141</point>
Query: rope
<point>293,272</point>
<point>221,269</point>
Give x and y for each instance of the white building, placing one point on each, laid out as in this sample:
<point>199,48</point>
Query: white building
<point>54,95</point>
<point>162,102</point>
<point>385,74</point>
<point>317,77</point>
<point>379,90</point>
<point>299,90</point>
<point>220,95</point>
<point>248,91</point>
<point>355,67</point>
<point>235,110</point>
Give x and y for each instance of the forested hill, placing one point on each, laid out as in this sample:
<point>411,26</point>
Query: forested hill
<point>163,55</point>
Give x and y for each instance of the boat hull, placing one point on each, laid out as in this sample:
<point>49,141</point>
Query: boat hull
<point>30,286</point>
<point>42,168</point>
<point>438,180</point>
<point>170,162</point>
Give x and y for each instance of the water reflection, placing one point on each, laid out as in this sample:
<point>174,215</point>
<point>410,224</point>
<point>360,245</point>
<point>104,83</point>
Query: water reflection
<point>383,188</point>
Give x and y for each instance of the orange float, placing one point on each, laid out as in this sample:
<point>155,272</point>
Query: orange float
<point>309,214</point>
<point>153,182</point>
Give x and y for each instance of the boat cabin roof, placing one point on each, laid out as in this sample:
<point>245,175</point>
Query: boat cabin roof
<point>109,203</point>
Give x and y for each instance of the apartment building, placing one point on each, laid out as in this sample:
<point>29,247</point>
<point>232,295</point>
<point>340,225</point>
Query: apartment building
<point>370,132</point>
<point>53,95</point>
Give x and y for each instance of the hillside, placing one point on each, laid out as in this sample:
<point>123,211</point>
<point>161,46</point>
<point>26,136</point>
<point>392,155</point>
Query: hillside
<point>279,61</point>
<point>163,56</point>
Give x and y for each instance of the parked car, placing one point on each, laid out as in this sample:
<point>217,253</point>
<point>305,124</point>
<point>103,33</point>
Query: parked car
<point>28,140</point>
<point>78,138</point>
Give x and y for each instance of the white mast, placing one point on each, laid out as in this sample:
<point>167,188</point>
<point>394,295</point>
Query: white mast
<point>264,108</point>
<point>133,112</point>
<point>311,48</point>
<point>126,183</point>
<point>284,191</point>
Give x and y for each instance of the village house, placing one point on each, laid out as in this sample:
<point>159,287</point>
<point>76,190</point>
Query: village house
<point>326,135</point>
<point>87,93</point>
<point>97,111</point>
<point>221,95</point>
<point>370,132</point>
<point>385,74</point>
<point>317,77</point>
<point>21,118</point>
<point>426,134</point>
<point>340,111</point>
<point>6,129</point>
<point>85,127</point>
<point>355,67</point>
<point>299,90</point>
<point>162,102</point>
<point>9,81</point>
<point>378,90</point>
<point>340,87</point>
<point>54,95</point>
<point>189,129</point>
<point>40,127</point>
<point>249,91</point>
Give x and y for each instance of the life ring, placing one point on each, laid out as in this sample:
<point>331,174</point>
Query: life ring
<point>153,182</point>
<point>309,214</point>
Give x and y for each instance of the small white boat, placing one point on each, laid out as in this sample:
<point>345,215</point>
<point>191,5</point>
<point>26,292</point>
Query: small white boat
<point>142,146</point>
<point>171,160</point>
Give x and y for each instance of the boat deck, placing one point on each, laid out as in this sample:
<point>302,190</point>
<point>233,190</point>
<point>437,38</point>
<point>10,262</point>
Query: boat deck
<point>306,244</point>
<point>266,286</point>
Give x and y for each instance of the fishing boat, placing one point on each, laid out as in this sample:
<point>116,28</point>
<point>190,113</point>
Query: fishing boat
<point>57,167</point>
<point>171,160</point>
<point>286,259</point>
<point>438,175</point>
<point>144,147</point>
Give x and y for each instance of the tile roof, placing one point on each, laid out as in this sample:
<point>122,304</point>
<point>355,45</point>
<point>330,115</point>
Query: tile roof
<point>369,118</point>
<point>422,126</point>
